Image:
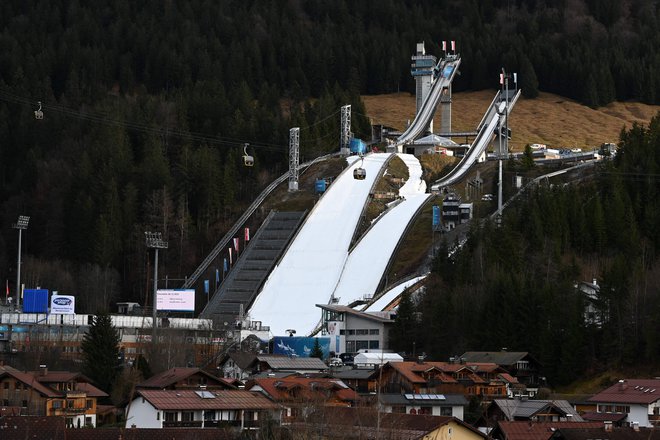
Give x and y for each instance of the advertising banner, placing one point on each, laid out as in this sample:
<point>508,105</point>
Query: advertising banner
<point>175,300</point>
<point>299,346</point>
<point>62,305</point>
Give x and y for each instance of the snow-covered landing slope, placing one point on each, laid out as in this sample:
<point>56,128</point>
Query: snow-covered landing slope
<point>367,262</point>
<point>310,269</point>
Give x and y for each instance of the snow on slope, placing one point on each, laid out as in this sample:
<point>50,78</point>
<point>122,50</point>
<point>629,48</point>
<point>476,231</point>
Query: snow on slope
<point>310,269</point>
<point>368,260</point>
<point>390,295</point>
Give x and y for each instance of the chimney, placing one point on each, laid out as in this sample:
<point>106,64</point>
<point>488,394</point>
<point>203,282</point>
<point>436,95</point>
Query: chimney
<point>43,370</point>
<point>622,385</point>
<point>635,426</point>
<point>608,426</point>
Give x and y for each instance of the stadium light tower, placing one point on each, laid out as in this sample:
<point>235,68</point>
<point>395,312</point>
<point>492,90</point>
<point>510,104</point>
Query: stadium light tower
<point>154,240</point>
<point>21,224</point>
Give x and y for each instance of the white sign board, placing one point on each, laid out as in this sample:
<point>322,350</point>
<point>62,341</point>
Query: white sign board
<point>175,300</point>
<point>62,305</point>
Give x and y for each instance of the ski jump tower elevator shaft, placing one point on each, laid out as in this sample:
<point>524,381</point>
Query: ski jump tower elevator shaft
<point>423,69</point>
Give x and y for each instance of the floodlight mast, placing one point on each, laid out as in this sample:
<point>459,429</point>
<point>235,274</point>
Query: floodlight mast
<point>154,240</point>
<point>21,224</point>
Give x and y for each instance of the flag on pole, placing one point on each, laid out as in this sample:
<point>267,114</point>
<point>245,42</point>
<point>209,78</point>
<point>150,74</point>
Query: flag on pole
<point>444,46</point>
<point>453,46</point>
<point>224,267</point>
<point>247,234</point>
<point>217,276</point>
<point>231,260</point>
<point>206,286</point>
<point>236,245</point>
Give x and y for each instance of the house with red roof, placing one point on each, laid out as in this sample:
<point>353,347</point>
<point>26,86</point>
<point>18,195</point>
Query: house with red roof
<point>468,379</point>
<point>199,409</point>
<point>527,430</point>
<point>630,401</point>
<point>298,395</point>
<point>51,393</point>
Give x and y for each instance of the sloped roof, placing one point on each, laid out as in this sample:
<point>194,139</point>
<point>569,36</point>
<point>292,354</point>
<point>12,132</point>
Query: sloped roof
<point>604,417</point>
<point>355,373</point>
<point>434,139</point>
<point>91,390</point>
<point>413,371</point>
<point>216,399</point>
<point>524,430</point>
<point>242,358</point>
<point>83,383</point>
<point>349,310</point>
<point>615,433</point>
<point>29,380</point>
<point>496,357</point>
<point>173,375</point>
<point>293,363</point>
<point>31,427</point>
<point>636,391</point>
<point>148,434</point>
<point>520,408</point>
<point>278,389</point>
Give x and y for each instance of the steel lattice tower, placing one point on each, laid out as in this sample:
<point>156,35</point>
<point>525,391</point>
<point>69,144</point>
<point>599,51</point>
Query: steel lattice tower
<point>294,158</point>
<point>345,135</point>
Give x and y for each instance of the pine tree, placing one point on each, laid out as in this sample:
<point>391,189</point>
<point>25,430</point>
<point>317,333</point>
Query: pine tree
<point>101,357</point>
<point>317,351</point>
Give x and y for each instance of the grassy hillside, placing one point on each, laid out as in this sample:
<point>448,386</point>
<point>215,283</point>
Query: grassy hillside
<point>548,119</point>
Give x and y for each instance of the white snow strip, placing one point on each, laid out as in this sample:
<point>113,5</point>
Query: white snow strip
<point>367,262</point>
<point>391,295</point>
<point>309,271</point>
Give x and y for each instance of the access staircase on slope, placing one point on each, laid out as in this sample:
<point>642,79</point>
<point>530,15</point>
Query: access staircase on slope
<point>241,286</point>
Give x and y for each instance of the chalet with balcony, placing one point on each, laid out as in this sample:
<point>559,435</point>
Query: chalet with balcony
<point>199,409</point>
<point>450,405</point>
<point>523,409</point>
<point>469,379</point>
<point>55,393</point>
<point>520,364</point>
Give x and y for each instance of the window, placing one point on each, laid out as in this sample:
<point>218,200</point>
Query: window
<point>350,347</point>
<point>359,345</point>
<point>342,332</point>
<point>5,385</point>
<point>373,344</point>
<point>351,332</point>
<point>209,415</point>
<point>88,421</point>
<point>89,404</point>
<point>69,403</point>
<point>374,331</point>
<point>187,416</point>
<point>362,331</point>
<point>445,411</point>
<point>170,416</point>
<point>57,404</point>
<point>25,404</point>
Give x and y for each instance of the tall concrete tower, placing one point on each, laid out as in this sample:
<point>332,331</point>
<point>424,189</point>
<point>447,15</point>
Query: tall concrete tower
<point>422,70</point>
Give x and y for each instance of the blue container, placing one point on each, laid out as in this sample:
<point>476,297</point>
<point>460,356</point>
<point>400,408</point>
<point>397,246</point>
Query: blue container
<point>320,186</point>
<point>357,146</point>
<point>35,301</point>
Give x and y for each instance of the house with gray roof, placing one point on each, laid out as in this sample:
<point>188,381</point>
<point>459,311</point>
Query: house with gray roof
<point>529,410</point>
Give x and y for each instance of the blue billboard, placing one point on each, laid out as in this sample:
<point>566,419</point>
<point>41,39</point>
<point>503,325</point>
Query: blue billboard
<point>299,346</point>
<point>35,301</point>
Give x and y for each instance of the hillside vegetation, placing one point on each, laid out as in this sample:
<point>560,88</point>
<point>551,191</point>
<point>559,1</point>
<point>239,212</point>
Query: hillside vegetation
<point>548,119</point>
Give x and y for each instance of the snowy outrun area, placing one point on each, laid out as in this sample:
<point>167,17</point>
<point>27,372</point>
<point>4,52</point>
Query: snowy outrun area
<point>318,262</point>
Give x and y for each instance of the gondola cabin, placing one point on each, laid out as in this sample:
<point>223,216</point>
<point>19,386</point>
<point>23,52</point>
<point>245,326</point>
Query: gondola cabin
<point>359,174</point>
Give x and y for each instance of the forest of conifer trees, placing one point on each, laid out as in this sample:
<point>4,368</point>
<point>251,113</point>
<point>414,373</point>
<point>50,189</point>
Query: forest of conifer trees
<point>147,106</point>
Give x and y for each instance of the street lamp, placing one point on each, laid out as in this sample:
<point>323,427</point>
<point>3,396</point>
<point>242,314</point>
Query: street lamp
<point>154,240</point>
<point>21,224</point>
